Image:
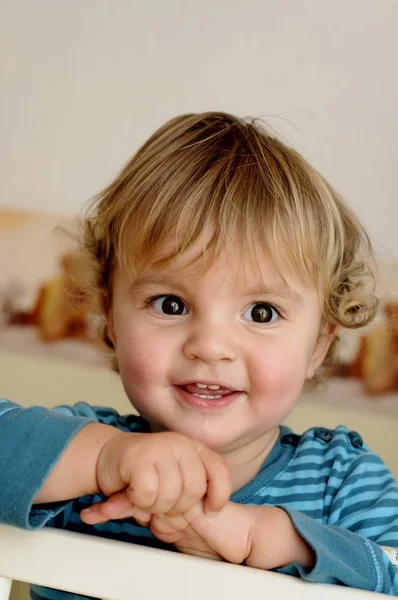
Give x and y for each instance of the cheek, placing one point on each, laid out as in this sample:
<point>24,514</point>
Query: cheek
<point>140,367</point>
<point>282,373</point>
<point>139,356</point>
<point>135,370</point>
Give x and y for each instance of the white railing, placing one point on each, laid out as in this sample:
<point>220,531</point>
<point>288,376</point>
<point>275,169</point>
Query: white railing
<point>120,571</point>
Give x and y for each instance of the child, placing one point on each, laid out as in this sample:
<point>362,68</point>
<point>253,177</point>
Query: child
<point>222,263</point>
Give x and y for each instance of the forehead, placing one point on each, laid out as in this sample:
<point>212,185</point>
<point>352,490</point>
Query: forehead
<point>230,268</point>
<point>229,263</point>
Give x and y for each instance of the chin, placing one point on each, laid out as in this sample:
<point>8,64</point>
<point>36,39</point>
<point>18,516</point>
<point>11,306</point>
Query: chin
<point>212,439</point>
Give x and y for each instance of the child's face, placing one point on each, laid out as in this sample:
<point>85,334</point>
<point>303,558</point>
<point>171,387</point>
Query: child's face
<point>236,326</point>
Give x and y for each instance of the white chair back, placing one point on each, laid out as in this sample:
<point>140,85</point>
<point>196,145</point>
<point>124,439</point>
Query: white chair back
<point>114,570</point>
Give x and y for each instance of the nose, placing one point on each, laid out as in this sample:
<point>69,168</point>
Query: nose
<point>210,343</point>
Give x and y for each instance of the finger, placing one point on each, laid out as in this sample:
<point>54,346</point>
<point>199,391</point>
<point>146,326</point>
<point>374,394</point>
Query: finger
<point>142,517</point>
<point>165,524</point>
<point>219,487</point>
<point>170,486</point>
<point>117,506</point>
<point>194,482</point>
<point>92,515</point>
<point>143,523</point>
<point>168,529</point>
<point>144,486</point>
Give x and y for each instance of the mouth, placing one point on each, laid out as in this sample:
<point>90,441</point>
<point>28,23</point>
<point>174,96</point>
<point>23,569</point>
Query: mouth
<point>208,396</point>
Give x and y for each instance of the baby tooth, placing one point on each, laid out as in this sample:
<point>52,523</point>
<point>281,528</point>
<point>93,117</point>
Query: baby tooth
<point>204,397</point>
<point>201,385</point>
<point>214,387</point>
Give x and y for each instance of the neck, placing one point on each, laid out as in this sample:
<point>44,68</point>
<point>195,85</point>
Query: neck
<point>245,462</point>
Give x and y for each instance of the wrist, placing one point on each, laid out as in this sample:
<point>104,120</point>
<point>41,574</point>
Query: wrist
<point>88,447</point>
<point>297,550</point>
<point>109,467</point>
<point>275,542</point>
<point>75,473</point>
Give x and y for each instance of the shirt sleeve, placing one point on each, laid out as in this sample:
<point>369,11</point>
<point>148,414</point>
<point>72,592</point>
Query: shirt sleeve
<point>31,442</point>
<point>357,543</point>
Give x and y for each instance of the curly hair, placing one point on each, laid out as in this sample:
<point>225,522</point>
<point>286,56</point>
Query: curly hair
<point>231,176</point>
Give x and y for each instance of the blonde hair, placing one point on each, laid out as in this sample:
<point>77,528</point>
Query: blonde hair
<point>213,168</point>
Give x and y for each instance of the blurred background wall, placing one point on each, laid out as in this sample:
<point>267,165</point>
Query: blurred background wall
<point>84,82</point>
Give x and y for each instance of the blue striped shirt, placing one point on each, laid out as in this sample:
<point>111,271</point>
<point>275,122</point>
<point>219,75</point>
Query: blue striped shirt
<point>340,496</point>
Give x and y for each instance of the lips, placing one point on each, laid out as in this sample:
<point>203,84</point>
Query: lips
<point>202,398</point>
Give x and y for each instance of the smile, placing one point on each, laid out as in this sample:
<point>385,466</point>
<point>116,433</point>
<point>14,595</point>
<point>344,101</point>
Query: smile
<point>212,391</point>
<point>206,397</point>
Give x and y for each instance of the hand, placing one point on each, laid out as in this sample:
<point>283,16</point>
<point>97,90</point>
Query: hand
<point>159,473</point>
<point>258,536</point>
<point>225,536</point>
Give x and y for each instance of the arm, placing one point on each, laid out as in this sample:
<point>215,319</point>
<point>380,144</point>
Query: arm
<point>50,457</point>
<point>32,441</point>
<point>360,521</point>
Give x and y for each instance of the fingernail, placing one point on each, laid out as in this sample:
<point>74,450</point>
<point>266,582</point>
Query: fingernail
<point>87,510</point>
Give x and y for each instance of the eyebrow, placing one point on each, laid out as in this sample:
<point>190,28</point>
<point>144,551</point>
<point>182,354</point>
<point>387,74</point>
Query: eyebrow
<point>150,279</point>
<point>286,293</point>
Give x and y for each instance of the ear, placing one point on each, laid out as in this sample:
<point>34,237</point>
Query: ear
<point>109,326</point>
<point>110,330</point>
<point>325,338</point>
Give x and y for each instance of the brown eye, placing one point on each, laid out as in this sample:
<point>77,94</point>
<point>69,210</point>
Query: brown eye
<point>169,305</point>
<point>261,312</point>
